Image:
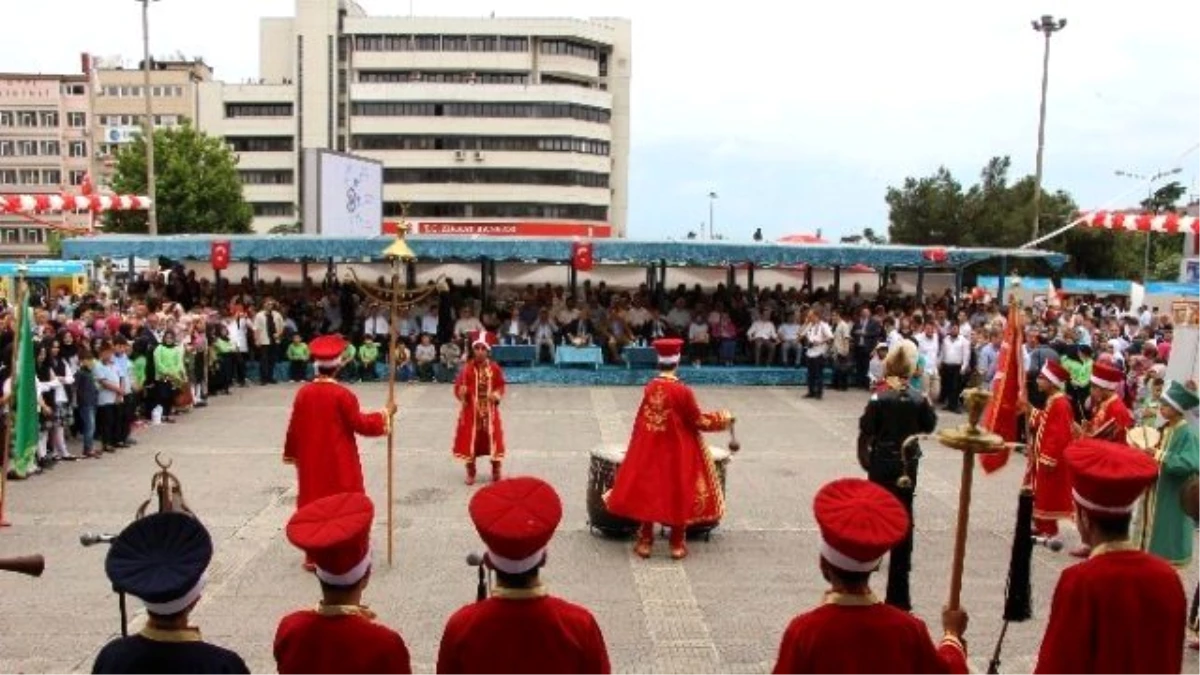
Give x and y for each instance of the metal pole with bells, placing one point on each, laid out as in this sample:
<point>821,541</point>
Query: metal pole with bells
<point>396,296</point>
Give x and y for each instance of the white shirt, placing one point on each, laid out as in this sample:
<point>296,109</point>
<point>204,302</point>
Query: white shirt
<point>789,331</point>
<point>376,324</point>
<point>429,323</point>
<point>818,336</point>
<point>763,329</point>
<point>929,348</point>
<point>956,351</point>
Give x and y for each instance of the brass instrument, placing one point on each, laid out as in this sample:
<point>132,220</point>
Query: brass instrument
<point>31,565</point>
<point>166,486</point>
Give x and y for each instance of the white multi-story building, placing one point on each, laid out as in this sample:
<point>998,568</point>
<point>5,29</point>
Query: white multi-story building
<point>483,125</point>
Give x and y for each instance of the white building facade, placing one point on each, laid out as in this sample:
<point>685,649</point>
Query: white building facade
<point>484,126</point>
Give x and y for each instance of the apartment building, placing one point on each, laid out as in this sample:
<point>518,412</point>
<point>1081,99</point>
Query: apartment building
<point>483,125</point>
<point>119,103</point>
<point>44,149</point>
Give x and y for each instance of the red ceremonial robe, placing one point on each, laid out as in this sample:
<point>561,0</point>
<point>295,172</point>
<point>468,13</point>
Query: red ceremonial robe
<point>1052,432</point>
<point>522,631</point>
<point>668,475</point>
<point>1121,611</point>
<point>338,640</point>
<point>479,431</point>
<point>321,443</point>
<point>859,634</point>
<point>1111,410</point>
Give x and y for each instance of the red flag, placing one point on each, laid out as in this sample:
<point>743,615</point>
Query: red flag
<point>581,254</point>
<point>219,252</point>
<point>1001,416</point>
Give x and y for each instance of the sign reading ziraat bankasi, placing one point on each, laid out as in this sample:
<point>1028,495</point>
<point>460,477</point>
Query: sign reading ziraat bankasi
<point>505,228</point>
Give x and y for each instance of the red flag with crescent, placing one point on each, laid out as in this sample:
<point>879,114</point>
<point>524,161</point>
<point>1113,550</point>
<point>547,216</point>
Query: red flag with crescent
<point>219,252</point>
<point>1002,414</point>
<point>581,254</point>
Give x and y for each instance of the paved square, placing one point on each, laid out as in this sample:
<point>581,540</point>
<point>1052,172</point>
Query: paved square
<point>722,610</point>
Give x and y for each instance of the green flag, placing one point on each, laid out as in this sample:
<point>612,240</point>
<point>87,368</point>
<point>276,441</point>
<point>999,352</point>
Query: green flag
<point>25,396</point>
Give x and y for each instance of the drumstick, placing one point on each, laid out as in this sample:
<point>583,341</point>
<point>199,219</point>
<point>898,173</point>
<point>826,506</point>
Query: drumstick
<point>734,446</point>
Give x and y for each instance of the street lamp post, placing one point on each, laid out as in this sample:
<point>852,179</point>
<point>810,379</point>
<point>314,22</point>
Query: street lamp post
<point>148,123</point>
<point>1048,26</point>
<point>1150,181</point>
<point>712,200</point>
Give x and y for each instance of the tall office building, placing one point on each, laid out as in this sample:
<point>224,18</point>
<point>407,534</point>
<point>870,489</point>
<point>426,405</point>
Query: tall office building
<point>483,125</point>
<point>44,149</point>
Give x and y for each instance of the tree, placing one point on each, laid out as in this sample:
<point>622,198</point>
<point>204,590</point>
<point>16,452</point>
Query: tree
<point>196,184</point>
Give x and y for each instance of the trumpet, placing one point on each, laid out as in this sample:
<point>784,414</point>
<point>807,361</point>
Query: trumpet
<point>30,565</point>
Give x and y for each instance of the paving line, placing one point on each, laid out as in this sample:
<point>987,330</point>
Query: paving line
<point>681,638</point>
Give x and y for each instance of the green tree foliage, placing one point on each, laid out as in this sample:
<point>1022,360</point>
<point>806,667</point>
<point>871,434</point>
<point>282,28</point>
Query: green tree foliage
<point>196,183</point>
<point>995,212</point>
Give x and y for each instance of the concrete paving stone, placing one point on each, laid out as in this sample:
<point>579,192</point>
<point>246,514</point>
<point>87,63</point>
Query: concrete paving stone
<point>721,610</point>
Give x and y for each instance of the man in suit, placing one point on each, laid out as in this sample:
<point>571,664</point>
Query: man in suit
<point>268,335</point>
<point>581,331</point>
<point>864,335</point>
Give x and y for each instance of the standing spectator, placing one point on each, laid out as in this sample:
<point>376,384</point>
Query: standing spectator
<point>989,358</point>
<point>865,334</point>
<point>240,329</point>
<point>268,333</point>
<point>87,398</point>
<point>297,356</point>
<point>108,397</point>
<point>169,371</point>
<point>842,362</point>
<point>817,336</point>
<point>126,409</point>
<point>955,363</point>
<point>929,348</point>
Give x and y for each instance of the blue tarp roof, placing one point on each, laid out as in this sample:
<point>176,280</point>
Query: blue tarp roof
<point>1172,288</point>
<point>44,268</point>
<point>1070,286</point>
<point>623,251</point>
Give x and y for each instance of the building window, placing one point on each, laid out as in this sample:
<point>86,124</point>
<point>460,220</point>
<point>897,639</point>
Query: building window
<point>273,209</point>
<point>50,149</point>
<point>76,176</point>
<point>585,146</point>
<point>78,149</point>
<point>73,89</point>
<point>6,118</point>
<point>260,143</point>
<point>27,148</point>
<point>51,177</point>
<point>479,109</point>
<point>428,43</point>
<point>76,120</point>
<point>30,177</point>
<point>499,210</point>
<point>49,119</point>
<point>266,176</point>
<point>455,43</point>
<point>514,44</point>
<point>27,119</point>
<point>166,120</point>
<point>7,149</point>
<point>496,177</point>
<point>11,235</point>
<point>258,109</point>
<point>8,176</point>
<point>34,235</point>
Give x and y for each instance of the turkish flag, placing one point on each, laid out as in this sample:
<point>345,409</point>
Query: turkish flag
<point>936,255</point>
<point>1008,390</point>
<point>581,256</point>
<point>219,252</point>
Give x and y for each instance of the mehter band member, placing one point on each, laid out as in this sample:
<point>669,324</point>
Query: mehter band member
<point>341,634</point>
<point>321,434</point>
<point>895,414</point>
<point>668,475</point>
<point>852,631</point>
<point>161,560</point>
<point>480,388</point>
<point>521,628</point>
<point>1121,610</point>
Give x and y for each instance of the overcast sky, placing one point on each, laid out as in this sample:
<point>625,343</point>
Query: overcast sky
<point>798,114</point>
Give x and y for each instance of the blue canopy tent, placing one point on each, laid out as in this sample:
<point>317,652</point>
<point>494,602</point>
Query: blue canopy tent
<point>655,255</point>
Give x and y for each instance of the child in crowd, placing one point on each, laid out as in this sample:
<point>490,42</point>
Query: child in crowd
<point>426,356</point>
<point>297,356</point>
<point>368,356</point>
<point>86,397</point>
<point>405,370</point>
<point>349,371</point>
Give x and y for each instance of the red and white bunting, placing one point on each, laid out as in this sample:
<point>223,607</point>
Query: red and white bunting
<point>1170,223</point>
<point>54,203</point>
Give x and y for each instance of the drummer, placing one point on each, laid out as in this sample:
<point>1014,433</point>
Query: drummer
<point>668,475</point>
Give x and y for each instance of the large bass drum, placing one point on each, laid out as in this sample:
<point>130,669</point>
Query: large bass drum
<point>720,458</point>
<point>602,473</point>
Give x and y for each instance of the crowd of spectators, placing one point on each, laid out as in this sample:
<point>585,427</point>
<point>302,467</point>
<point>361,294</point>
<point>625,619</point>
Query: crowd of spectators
<point>112,360</point>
